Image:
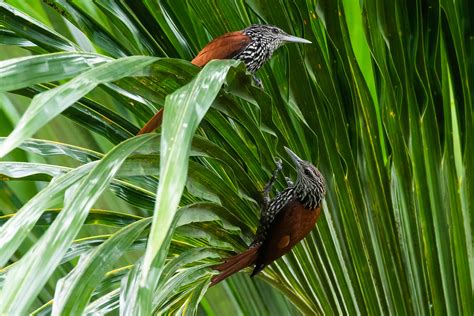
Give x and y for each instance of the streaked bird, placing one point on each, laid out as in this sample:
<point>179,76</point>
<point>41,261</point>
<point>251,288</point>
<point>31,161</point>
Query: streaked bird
<point>285,220</point>
<point>254,46</point>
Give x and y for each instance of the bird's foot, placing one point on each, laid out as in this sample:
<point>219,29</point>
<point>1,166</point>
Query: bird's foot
<point>289,182</point>
<point>257,81</point>
<point>268,186</point>
<point>279,166</point>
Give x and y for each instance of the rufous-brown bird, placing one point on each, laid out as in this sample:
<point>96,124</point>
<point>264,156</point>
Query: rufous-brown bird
<point>285,220</point>
<point>254,46</point>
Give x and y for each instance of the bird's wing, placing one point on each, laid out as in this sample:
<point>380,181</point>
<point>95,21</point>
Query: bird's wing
<point>277,203</point>
<point>268,214</point>
<point>292,223</point>
<point>226,46</point>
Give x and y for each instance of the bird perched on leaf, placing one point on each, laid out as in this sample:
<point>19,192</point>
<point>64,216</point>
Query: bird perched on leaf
<point>253,46</point>
<point>285,220</point>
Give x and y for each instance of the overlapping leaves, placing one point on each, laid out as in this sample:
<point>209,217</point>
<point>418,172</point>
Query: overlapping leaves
<point>381,104</point>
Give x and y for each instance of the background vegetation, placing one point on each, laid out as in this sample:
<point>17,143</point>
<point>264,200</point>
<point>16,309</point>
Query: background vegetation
<point>94,221</point>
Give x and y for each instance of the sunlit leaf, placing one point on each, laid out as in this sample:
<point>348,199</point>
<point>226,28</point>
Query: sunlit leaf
<point>381,103</point>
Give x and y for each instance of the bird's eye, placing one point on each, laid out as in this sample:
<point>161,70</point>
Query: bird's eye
<point>308,172</point>
<point>275,30</point>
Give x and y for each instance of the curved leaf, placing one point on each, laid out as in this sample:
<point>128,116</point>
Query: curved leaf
<point>185,109</point>
<point>30,274</point>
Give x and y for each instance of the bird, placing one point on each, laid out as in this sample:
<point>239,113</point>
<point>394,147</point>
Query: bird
<point>253,45</point>
<point>285,220</point>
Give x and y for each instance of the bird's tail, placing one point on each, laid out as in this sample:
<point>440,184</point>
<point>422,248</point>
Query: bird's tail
<point>235,264</point>
<point>153,123</point>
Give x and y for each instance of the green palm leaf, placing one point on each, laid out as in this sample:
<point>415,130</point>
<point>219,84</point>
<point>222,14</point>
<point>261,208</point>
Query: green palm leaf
<point>381,103</point>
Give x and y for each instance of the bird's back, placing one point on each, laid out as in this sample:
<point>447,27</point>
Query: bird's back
<point>226,46</point>
<point>292,224</point>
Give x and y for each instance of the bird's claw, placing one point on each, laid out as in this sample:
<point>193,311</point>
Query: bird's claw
<point>289,182</point>
<point>257,81</point>
<point>266,200</point>
<point>279,165</point>
<point>268,186</point>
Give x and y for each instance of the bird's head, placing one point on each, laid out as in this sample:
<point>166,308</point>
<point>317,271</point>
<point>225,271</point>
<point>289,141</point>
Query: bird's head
<point>265,39</point>
<point>272,35</point>
<point>310,185</point>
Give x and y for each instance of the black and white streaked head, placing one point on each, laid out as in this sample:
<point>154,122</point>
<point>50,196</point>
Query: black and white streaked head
<point>265,39</point>
<point>310,185</point>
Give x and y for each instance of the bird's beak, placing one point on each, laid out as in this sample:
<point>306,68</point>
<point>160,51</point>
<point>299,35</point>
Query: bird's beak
<point>296,160</point>
<point>294,39</point>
